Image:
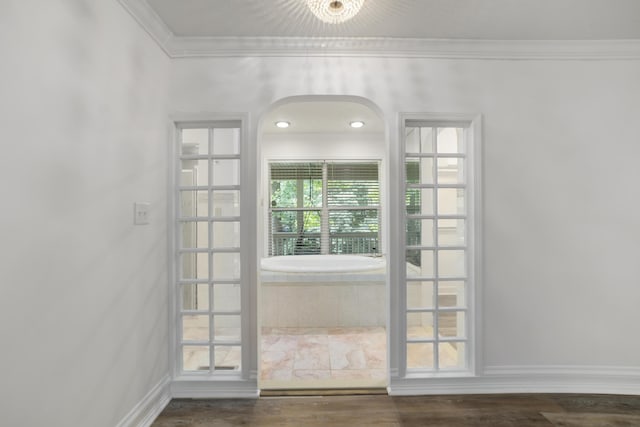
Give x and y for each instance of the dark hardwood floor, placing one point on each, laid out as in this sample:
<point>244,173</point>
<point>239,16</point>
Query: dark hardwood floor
<point>520,410</point>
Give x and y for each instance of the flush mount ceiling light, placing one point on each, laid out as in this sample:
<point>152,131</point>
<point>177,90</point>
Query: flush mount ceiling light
<point>356,124</point>
<point>282,124</point>
<point>335,11</point>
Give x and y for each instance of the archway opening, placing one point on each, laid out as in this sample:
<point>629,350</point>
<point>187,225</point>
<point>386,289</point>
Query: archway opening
<point>322,238</point>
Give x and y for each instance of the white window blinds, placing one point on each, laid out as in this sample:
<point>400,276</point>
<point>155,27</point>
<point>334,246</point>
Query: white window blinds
<point>324,207</point>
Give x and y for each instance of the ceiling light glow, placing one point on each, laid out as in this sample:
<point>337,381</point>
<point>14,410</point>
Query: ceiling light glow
<point>335,11</point>
<point>282,124</point>
<point>356,124</point>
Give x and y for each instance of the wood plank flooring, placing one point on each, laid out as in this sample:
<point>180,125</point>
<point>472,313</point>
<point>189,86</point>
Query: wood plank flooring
<point>519,410</point>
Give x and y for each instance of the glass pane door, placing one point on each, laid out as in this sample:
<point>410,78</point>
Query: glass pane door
<point>437,251</point>
<point>208,243</point>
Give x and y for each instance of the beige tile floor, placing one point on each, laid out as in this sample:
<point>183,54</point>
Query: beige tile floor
<point>421,356</point>
<point>317,357</point>
<point>196,357</point>
<point>323,357</point>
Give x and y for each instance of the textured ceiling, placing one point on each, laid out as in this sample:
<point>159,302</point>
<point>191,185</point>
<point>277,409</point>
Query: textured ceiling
<point>431,19</point>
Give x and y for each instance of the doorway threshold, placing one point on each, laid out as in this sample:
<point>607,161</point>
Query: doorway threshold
<point>324,384</point>
<point>322,392</point>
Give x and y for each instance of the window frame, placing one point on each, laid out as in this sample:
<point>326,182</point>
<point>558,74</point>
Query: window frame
<point>472,125</point>
<point>184,377</point>
<point>325,207</point>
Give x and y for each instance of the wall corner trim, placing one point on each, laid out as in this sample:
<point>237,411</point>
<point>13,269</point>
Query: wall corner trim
<point>147,410</point>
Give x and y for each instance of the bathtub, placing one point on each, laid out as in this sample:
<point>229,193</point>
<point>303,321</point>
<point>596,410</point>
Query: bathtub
<point>322,291</point>
<point>322,268</point>
<point>322,263</point>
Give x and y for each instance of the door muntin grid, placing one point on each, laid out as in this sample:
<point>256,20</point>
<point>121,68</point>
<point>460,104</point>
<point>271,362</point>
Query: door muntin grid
<point>437,246</point>
<point>208,249</point>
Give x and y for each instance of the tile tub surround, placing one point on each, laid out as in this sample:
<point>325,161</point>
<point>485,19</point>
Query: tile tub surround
<point>323,357</point>
<point>323,304</point>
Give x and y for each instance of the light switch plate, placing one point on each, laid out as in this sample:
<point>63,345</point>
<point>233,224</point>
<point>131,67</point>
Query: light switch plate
<point>141,213</point>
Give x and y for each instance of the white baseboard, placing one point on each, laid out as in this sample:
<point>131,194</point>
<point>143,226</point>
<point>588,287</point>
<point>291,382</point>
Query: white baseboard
<point>202,389</point>
<point>527,379</point>
<point>495,380</point>
<point>148,409</point>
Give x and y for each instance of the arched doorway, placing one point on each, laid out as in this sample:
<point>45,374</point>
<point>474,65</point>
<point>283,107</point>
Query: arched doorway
<point>322,236</point>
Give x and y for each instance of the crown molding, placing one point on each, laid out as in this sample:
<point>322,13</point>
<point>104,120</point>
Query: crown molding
<point>386,47</point>
<point>184,47</point>
<point>149,20</point>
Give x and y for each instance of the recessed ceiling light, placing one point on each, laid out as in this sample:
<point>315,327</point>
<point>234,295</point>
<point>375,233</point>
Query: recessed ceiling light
<point>357,124</point>
<point>282,124</point>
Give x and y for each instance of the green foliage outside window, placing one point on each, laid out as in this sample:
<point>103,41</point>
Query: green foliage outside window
<point>297,207</point>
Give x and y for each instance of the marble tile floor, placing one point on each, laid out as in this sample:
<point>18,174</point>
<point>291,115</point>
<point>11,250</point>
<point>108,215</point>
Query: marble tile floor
<point>323,357</point>
<point>498,410</point>
<point>317,357</point>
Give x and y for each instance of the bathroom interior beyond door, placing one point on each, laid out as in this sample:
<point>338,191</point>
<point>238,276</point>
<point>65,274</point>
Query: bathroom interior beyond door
<point>322,329</point>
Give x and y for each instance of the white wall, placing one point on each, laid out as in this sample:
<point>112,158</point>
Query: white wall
<point>560,204</point>
<point>322,146</point>
<point>83,292</point>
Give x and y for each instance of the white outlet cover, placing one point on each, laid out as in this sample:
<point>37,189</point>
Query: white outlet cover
<point>141,213</point>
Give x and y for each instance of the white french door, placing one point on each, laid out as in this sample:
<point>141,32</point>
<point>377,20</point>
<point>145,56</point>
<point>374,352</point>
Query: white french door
<point>439,246</point>
<point>208,270</point>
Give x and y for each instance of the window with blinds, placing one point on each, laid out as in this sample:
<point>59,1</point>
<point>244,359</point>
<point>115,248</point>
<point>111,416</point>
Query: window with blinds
<point>324,208</point>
